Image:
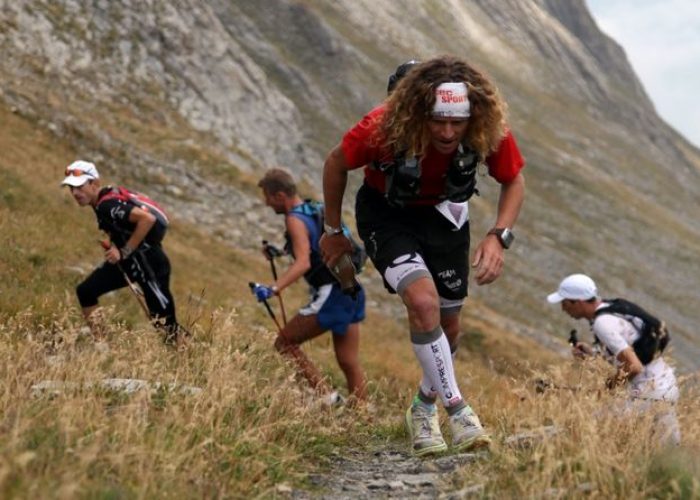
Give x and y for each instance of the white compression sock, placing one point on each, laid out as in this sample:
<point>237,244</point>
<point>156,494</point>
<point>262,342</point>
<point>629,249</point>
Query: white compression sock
<point>433,352</point>
<point>426,387</point>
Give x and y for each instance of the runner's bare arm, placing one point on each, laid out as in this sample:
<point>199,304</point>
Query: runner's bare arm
<point>488,257</point>
<point>144,222</point>
<point>335,177</point>
<point>301,250</point>
<point>510,201</point>
<point>631,366</point>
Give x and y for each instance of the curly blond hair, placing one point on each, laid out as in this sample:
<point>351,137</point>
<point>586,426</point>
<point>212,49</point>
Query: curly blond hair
<point>403,126</point>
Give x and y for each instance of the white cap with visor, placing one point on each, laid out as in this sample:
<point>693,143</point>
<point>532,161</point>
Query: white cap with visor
<point>574,287</point>
<point>79,172</point>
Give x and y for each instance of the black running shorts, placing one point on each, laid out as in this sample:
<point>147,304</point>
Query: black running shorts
<point>395,235</point>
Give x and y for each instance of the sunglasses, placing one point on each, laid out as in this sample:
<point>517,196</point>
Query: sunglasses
<point>78,172</point>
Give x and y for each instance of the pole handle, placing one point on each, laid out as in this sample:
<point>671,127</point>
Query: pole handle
<point>270,312</point>
<point>573,338</point>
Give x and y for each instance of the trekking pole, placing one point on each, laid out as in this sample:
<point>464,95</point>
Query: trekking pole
<point>273,252</point>
<point>542,385</point>
<point>573,340</point>
<point>267,306</point>
<point>135,290</point>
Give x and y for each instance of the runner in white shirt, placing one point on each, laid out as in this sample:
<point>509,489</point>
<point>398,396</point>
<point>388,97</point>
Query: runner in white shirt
<point>648,385</point>
<point>615,334</point>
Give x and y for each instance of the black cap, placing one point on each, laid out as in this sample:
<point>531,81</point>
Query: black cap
<point>400,72</point>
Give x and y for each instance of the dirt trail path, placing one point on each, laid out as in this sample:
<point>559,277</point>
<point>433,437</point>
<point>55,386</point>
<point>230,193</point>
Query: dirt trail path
<point>390,473</point>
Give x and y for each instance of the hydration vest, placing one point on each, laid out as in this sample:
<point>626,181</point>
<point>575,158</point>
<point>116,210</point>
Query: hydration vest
<point>136,199</point>
<point>403,178</point>
<point>311,213</point>
<point>653,334</point>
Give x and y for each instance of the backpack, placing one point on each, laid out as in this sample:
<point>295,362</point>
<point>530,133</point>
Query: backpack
<point>138,199</point>
<point>120,233</point>
<point>314,211</point>
<point>653,334</point>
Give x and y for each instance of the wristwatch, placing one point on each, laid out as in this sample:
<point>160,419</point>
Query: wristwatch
<point>505,236</point>
<point>125,252</point>
<point>332,231</point>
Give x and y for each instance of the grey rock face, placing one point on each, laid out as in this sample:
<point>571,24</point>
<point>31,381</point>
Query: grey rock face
<point>181,53</point>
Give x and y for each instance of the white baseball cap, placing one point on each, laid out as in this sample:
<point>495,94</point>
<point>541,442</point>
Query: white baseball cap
<point>79,172</point>
<point>574,287</point>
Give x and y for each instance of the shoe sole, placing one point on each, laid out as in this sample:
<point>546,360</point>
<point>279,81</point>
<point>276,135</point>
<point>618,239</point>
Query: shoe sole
<point>429,450</point>
<point>475,443</point>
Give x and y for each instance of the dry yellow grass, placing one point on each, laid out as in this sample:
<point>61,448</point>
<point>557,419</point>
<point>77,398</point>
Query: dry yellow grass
<point>253,426</point>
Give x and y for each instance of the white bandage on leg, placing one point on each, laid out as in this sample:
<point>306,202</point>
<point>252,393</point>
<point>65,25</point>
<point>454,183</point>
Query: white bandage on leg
<point>433,352</point>
<point>404,270</point>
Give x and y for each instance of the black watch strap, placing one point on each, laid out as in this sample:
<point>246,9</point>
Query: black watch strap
<point>505,236</point>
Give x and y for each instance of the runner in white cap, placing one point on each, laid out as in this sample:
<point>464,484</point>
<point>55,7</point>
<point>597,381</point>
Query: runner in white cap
<point>136,226</point>
<point>633,341</point>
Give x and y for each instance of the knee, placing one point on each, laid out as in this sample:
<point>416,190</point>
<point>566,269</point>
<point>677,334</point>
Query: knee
<point>422,303</point>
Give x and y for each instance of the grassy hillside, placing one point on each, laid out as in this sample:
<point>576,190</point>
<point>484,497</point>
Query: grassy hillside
<point>253,427</point>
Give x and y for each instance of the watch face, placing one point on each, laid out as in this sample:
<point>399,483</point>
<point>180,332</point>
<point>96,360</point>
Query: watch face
<point>507,238</point>
<point>332,230</point>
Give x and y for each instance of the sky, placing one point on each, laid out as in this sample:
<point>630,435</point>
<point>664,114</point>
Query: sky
<point>662,42</point>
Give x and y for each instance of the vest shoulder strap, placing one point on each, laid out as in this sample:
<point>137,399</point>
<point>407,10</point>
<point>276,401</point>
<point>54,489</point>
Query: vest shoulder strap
<point>626,308</point>
<point>136,199</point>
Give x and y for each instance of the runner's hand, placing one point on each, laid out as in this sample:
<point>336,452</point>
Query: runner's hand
<point>582,350</point>
<point>333,247</point>
<point>112,255</point>
<point>488,260</point>
<point>262,292</point>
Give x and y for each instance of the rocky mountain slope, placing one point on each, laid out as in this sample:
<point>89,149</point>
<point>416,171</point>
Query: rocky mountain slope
<point>192,99</point>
